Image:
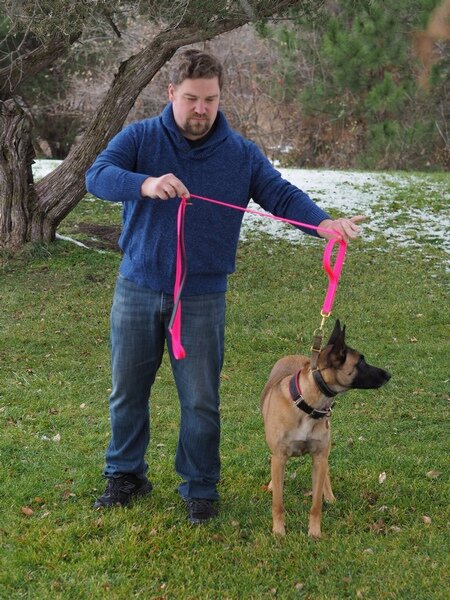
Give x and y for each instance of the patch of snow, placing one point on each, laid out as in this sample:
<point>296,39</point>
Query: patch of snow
<point>349,193</point>
<point>41,168</point>
<point>76,242</point>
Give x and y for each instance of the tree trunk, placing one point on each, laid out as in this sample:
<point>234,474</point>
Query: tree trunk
<point>17,199</point>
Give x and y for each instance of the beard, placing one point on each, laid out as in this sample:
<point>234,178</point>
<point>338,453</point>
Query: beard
<point>195,127</point>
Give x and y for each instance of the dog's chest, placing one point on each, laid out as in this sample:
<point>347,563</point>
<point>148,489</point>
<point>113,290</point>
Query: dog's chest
<point>310,436</point>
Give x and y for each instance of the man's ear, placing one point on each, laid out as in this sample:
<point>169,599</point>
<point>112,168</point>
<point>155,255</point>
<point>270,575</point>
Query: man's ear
<point>170,90</point>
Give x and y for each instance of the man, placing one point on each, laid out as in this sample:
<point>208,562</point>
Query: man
<point>148,167</point>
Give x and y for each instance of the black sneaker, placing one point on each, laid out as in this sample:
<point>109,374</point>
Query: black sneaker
<point>122,489</point>
<point>200,510</point>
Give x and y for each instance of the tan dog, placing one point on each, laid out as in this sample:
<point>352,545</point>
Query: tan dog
<point>296,407</point>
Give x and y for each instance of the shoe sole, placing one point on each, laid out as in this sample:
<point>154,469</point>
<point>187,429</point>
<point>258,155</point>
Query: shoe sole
<point>200,521</point>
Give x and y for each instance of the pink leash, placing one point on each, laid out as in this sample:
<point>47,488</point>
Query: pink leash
<point>333,271</point>
<point>180,277</point>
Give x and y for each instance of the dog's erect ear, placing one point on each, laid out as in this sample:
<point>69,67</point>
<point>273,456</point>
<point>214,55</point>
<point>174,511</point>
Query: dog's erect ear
<point>338,351</point>
<point>337,333</point>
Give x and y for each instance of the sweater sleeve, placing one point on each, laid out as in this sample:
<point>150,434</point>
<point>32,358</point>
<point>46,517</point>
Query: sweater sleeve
<point>280,197</point>
<point>112,176</point>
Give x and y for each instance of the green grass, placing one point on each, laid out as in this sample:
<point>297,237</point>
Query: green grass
<point>54,385</point>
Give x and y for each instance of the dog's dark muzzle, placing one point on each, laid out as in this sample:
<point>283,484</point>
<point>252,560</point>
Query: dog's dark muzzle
<point>369,377</point>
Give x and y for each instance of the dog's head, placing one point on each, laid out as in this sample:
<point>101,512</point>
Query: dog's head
<point>344,368</point>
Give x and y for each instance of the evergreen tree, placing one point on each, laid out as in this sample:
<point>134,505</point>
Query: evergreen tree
<point>364,73</point>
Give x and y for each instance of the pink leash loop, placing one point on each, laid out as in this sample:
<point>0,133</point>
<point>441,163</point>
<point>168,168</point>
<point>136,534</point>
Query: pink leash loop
<point>333,272</point>
<point>180,277</point>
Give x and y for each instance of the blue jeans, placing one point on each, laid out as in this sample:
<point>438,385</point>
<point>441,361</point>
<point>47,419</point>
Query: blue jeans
<point>139,330</point>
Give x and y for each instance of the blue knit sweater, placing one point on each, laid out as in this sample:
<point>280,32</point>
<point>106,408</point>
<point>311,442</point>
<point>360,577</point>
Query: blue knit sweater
<point>226,167</point>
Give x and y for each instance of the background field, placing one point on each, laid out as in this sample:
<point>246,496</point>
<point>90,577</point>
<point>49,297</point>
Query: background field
<point>381,540</point>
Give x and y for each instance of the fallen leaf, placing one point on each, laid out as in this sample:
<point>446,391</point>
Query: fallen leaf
<point>56,438</point>
<point>433,474</point>
<point>26,510</point>
<point>426,520</point>
<point>379,526</point>
<point>382,477</point>
<point>413,340</point>
<point>370,497</point>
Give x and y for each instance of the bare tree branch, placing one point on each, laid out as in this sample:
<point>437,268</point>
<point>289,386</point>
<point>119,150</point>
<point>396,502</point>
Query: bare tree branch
<point>33,62</point>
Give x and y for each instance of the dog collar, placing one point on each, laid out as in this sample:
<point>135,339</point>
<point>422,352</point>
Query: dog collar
<point>323,387</point>
<point>300,402</point>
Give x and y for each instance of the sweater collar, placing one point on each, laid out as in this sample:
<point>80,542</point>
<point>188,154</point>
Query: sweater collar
<point>220,133</point>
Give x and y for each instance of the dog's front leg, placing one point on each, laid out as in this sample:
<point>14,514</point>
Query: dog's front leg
<point>327,490</point>
<point>278,467</point>
<point>319,474</point>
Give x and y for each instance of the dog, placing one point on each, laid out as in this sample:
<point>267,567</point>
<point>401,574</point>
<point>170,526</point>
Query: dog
<point>296,407</point>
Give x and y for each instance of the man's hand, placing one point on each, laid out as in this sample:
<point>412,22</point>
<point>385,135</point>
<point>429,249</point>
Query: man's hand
<point>164,187</point>
<point>347,229</point>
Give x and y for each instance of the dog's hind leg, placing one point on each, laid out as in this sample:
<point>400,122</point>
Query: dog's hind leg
<point>319,474</point>
<point>278,468</point>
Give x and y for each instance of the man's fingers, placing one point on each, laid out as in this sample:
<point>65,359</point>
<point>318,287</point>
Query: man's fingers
<point>164,187</point>
<point>358,218</point>
<point>175,187</point>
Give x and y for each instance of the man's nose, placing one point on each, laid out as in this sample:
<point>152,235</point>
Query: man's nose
<point>200,107</point>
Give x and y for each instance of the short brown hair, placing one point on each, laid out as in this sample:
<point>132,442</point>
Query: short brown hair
<point>195,64</point>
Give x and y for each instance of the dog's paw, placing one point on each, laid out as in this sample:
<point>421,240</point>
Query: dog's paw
<point>314,532</point>
<point>279,530</point>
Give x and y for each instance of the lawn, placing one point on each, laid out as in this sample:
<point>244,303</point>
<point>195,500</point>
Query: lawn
<point>387,535</point>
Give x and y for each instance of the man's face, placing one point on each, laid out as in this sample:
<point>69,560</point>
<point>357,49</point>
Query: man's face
<point>195,103</point>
